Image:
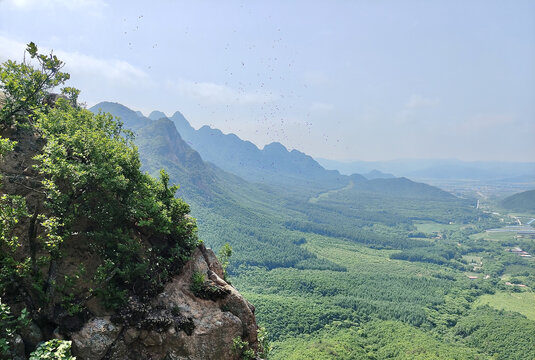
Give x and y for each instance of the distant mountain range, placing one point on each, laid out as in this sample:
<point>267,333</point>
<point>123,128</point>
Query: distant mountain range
<point>443,169</point>
<point>376,174</point>
<point>273,164</point>
<point>200,158</point>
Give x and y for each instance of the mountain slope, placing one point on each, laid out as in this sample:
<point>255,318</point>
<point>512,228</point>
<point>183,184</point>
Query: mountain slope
<point>524,201</point>
<point>291,172</point>
<point>307,264</point>
<point>274,164</point>
<point>229,208</point>
<point>403,187</point>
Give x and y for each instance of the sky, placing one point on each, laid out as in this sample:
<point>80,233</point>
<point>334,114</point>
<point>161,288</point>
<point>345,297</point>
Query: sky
<point>347,80</point>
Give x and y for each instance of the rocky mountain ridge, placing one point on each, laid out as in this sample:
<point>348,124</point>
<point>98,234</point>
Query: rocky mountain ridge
<point>273,165</point>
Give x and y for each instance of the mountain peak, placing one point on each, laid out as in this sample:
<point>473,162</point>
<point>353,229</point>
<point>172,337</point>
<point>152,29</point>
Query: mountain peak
<point>275,147</point>
<point>177,115</point>
<point>376,174</point>
<point>157,115</point>
<point>130,118</point>
<point>104,105</point>
<point>182,125</point>
<point>210,130</point>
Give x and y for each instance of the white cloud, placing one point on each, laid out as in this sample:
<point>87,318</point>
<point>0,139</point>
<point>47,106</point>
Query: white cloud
<point>219,94</point>
<point>111,69</point>
<point>418,101</point>
<point>81,65</point>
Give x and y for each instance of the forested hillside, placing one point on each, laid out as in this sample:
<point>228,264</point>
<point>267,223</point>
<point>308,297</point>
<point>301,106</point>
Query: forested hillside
<point>522,202</point>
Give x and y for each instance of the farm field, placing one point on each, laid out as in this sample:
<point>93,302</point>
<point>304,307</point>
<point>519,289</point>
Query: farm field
<point>494,236</point>
<point>430,227</point>
<point>521,302</point>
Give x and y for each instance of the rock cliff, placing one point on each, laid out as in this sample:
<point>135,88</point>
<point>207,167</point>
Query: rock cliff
<point>176,324</point>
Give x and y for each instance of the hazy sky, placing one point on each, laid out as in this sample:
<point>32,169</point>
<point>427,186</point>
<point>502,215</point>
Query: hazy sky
<point>367,80</point>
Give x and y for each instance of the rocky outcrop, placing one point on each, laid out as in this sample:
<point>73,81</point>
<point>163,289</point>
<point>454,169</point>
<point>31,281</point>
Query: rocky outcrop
<point>176,324</point>
<point>95,338</point>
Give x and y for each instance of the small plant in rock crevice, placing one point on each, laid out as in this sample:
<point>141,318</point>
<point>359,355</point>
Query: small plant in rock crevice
<point>206,289</point>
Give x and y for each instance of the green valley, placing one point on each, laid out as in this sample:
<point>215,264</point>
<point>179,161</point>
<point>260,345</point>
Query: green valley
<point>370,269</point>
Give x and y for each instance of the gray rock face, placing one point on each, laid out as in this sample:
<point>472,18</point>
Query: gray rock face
<point>207,334</point>
<point>94,339</point>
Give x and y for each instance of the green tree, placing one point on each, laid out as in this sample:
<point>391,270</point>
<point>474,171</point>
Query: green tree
<point>25,87</point>
<point>224,256</point>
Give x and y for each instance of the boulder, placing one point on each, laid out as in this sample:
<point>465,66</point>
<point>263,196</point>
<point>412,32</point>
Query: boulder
<point>95,338</point>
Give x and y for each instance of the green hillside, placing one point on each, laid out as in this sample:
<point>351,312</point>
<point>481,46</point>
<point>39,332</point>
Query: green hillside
<point>521,202</point>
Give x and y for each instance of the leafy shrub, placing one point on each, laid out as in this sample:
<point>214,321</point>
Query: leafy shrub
<point>263,341</point>
<point>224,256</point>
<point>25,86</point>
<point>53,350</point>
<point>197,282</point>
<point>206,289</point>
<point>8,326</point>
<point>242,348</point>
